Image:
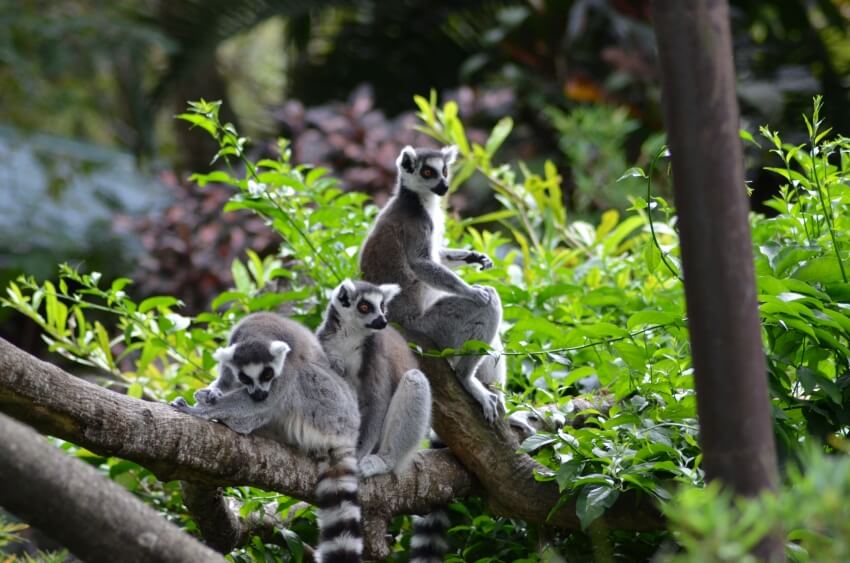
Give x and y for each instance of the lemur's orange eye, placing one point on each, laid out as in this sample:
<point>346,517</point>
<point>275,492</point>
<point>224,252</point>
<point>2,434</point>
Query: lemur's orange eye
<point>364,307</point>
<point>427,172</point>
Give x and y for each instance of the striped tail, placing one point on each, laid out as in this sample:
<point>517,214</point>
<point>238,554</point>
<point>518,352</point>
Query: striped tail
<point>340,530</point>
<point>429,542</point>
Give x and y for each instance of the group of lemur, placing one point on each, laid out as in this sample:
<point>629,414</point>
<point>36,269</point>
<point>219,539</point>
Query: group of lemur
<point>352,393</point>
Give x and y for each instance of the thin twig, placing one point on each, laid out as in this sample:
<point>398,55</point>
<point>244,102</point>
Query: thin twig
<point>658,155</point>
<point>436,354</point>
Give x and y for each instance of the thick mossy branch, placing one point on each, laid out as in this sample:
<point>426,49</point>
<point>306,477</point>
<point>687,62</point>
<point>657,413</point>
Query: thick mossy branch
<point>98,520</point>
<point>177,446</point>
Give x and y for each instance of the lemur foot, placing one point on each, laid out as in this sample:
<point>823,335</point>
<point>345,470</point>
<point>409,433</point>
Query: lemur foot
<point>493,407</point>
<point>373,465</point>
<point>208,396</point>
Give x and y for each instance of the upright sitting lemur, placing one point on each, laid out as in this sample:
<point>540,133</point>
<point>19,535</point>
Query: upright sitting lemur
<point>394,396</point>
<point>275,381</point>
<point>405,247</point>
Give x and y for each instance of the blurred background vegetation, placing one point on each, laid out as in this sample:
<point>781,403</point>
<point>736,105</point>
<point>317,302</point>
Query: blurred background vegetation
<point>93,166</point>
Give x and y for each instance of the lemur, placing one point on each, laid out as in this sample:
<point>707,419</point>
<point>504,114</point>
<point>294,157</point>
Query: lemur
<point>275,381</point>
<point>405,247</point>
<point>394,396</point>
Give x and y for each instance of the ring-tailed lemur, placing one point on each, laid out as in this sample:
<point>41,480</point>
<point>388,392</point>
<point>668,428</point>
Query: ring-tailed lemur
<point>405,247</point>
<point>394,396</point>
<point>275,381</point>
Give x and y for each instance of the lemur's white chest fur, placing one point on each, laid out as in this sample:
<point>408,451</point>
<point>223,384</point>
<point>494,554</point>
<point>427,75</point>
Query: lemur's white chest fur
<point>345,352</point>
<point>438,220</point>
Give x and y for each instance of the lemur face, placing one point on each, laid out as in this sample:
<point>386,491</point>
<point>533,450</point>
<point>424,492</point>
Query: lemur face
<point>255,364</point>
<point>363,305</point>
<point>426,170</point>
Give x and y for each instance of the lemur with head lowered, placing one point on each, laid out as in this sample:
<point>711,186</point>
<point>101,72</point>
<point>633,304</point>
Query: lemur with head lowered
<point>405,247</point>
<point>394,396</point>
<point>275,381</point>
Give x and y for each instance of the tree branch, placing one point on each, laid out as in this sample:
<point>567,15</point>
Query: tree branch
<point>178,446</point>
<point>78,507</point>
<point>489,451</point>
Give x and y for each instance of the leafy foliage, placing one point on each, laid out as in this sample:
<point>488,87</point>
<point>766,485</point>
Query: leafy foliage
<point>585,306</point>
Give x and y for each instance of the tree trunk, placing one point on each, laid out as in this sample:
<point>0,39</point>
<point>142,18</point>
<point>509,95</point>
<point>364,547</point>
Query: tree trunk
<point>89,514</point>
<point>701,115</point>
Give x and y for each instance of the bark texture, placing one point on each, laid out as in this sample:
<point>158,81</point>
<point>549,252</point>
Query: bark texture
<point>701,116</point>
<point>60,495</point>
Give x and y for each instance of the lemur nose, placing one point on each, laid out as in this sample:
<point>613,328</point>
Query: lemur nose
<point>259,395</point>
<point>379,323</point>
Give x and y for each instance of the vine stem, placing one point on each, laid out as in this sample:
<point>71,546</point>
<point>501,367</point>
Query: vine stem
<point>652,163</point>
<point>556,350</point>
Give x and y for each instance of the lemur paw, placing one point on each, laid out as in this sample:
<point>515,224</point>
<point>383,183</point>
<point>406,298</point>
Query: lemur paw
<point>480,294</point>
<point>180,404</point>
<point>208,396</point>
<point>373,465</point>
<point>479,258</point>
<point>493,407</point>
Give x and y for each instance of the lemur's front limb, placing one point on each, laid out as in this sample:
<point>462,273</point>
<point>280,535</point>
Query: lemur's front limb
<point>455,257</point>
<point>236,410</point>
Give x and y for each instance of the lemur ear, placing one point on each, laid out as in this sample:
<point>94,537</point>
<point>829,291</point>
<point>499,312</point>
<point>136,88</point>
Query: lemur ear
<point>449,153</point>
<point>406,159</point>
<point>279,350</point>
<point>223,355</point>
<point>390,290</point>
<point>344,292</point>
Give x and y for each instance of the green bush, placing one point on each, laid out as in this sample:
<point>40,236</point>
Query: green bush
<point>601,301</point>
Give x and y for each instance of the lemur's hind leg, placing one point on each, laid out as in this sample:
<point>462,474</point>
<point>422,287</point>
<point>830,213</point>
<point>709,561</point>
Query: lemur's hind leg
<point>454,320</point>
<point>405,426</point>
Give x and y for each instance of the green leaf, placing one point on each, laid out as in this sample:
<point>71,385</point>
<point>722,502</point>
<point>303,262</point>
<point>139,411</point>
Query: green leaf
<point>241,277</point>
<point>567,473</point>
<point>592,502</point>
<point>135,391</point>
<point>200,121</point>
<point>498,135</point>
<point>634,172</point>
<point>812,380</point>
<point>649,318</point>
<point>823,270</point>
<point>158,302</point>
<point>537,441</point>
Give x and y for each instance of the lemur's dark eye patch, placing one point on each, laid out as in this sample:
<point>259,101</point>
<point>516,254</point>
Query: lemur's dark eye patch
<point>267,374</point>
<point>428,172</point>
<point>364,307</point>
<point>244,378</point>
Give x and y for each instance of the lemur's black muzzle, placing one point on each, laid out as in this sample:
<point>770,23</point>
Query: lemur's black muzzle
<point>258,395</point>
<point>378,323</point>
<point>441,188</point>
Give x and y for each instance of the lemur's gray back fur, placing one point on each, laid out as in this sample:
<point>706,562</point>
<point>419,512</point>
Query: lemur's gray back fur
<point>306,406</point>
<point>405,247</point>
<point>393,395</point>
